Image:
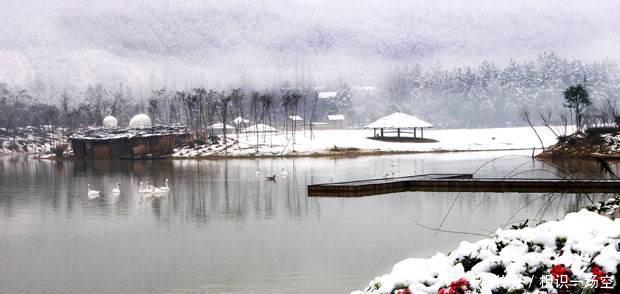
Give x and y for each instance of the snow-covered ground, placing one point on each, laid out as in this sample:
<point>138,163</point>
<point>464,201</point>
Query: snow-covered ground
<point>331,141</point>
<point>27,140</point>
<point>580,251</point>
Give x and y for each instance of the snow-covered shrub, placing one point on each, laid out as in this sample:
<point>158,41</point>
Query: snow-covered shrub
<point>583,247</point>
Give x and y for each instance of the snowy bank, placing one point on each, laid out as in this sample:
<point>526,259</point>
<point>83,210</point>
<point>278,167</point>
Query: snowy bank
<point>336,142</point>
<point>39,140</point>
<point>579,253</point>
<point>595,142</point>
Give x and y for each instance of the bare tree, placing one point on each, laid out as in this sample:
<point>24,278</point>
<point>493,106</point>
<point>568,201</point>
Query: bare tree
<point>223,104</point>
<point>545,116</point>
<point>525,116</point>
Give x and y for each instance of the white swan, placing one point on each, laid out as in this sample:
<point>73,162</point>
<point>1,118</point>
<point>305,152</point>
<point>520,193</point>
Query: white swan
<point>157,192</point>
<point>283,173</point>
<point>92,193</point>
<point>117,189</point>
<point>144,188</point>
<point>258,172</point>
<point>165,188</point>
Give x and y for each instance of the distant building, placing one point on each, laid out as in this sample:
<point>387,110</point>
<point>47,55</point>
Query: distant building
<point>336,121</point>
<point>218,129</point>
<point>260,128</point>
<point>295,118</point>
<point>327,95</point>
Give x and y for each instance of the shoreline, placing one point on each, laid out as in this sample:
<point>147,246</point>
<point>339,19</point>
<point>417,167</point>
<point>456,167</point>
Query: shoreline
<point>328,154</point>
<point>336,154</point>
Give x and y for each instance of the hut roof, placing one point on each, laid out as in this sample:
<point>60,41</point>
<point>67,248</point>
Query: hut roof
<point>220,126</point>
<point>240,120</point>
<point>335,117</point>
<point>327,95</point>
<point>260,128</point>
<point>295,117</point>
<point>399,120</point>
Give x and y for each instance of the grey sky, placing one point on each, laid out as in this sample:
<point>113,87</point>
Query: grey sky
<point>185,43</point>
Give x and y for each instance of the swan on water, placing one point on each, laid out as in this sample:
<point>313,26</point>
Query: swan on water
<point>165,188</point>
<point>117,189</point>
<point>92,193</point>
<point>143,189</point>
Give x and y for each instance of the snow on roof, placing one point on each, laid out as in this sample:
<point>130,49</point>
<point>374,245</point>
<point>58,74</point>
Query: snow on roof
<point>327,95</point>
<point>335,117</point>
<point>295,117</point>
<point>260,128</point>
<point>399,120</point>
<point>240,120</point>
<point>220,126</point>
<point>365,88</point>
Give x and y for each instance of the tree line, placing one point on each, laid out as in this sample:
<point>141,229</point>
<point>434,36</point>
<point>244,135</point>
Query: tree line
<point>196,108</point>
<point>490,95</point>
<point>486,95</point>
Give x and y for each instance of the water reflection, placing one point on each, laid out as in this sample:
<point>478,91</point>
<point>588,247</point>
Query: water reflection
<point>222,228</point>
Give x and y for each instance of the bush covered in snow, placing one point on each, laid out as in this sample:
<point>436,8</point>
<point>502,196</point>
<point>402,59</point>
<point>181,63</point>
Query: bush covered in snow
<point>140,121</point>
<point>579,254</point>
<point>110,122</point>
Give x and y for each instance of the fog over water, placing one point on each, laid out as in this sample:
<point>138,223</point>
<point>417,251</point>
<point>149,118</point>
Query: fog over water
<point>226,43</point>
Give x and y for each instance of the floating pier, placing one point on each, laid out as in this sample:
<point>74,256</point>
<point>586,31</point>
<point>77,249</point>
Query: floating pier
<point>461,183</point>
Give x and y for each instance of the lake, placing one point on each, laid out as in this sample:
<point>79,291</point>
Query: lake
<point>223,229</point>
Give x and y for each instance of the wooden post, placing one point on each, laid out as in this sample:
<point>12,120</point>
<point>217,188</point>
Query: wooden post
<point>381,132</point>
<point>398,130</point>
<point>414,133</point>
<point>374,132</point>
<point>422,133</point>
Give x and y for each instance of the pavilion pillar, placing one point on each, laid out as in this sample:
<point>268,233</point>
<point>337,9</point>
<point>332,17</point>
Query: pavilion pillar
<point>381,132</point>
<point>422,133</point>
<point>414,133</point>
<point>398,131</point>
<point>374,132</point>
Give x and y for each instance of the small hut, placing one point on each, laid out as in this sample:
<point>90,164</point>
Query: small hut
<point>336,121</point>
<point>399,123</point>
<point>327,95</point>
<point>218,129</point>
<point>260,128</point>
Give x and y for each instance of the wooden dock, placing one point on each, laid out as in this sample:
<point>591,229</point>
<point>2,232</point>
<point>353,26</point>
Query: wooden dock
<point>461,183</point>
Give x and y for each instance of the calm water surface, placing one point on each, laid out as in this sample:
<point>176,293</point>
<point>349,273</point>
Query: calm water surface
<point>222,229</point>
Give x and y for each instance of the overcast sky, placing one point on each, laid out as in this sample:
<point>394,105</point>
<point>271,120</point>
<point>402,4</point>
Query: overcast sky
<point>220,43</point>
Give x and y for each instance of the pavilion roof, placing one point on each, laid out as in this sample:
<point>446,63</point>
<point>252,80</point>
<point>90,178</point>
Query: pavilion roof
<point>399,120</point>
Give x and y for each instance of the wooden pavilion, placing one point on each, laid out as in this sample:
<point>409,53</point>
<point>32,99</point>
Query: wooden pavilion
<point>399,123</point>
